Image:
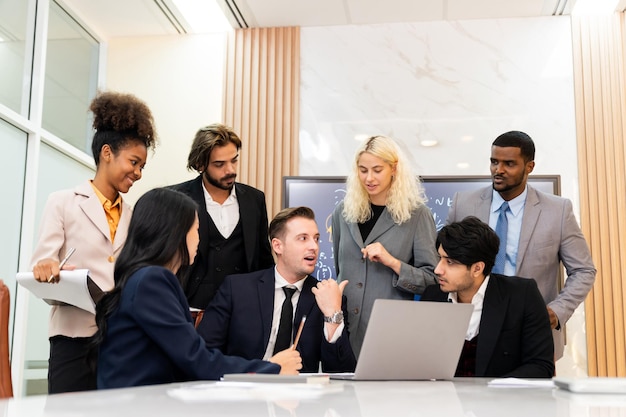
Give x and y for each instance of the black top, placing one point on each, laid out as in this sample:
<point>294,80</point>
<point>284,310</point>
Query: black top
<point>368,225</point>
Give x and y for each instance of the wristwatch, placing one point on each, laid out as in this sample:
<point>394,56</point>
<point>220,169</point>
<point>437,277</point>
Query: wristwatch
<point>336,318</point>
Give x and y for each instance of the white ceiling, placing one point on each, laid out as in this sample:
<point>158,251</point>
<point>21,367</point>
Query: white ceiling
<point>122,18</point>
<point>346,12</point>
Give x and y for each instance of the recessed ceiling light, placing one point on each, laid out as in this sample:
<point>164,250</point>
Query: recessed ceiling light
<point>427,143</point>
<point>203,16</point>
<point>361,137</point>
<point>594,7</point>
<point>463,165</point>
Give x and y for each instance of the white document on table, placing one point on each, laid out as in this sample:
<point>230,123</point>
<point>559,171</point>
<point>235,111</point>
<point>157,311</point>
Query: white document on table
<point>521,383</point>
<point>73,288</point>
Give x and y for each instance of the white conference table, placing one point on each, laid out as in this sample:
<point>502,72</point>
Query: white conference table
<point>461,397</point>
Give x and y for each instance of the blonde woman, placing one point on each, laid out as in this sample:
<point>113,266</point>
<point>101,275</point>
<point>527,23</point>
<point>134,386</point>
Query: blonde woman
<point>383,233</point>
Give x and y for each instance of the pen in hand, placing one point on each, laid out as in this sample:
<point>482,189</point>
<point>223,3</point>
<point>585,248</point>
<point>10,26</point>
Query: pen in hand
<point>295,341</point>
<point>67,257</point>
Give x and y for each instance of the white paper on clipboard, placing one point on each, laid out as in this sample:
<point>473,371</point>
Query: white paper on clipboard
<point>74,288</point>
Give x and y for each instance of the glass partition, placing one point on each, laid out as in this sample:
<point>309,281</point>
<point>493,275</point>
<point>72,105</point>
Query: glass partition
<point>14,59</point>
<point>13,163</point>
<point>71,79</point>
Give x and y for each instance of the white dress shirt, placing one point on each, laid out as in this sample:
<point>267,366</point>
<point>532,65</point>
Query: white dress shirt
<point>279,298</point>
<point>477,301</point>
<point>226,215</point>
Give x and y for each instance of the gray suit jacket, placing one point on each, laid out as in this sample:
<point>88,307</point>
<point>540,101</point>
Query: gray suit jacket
<point>412,242</point>
<point>550,235</point>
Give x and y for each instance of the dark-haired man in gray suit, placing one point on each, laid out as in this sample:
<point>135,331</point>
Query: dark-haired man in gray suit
<point>542,230</point>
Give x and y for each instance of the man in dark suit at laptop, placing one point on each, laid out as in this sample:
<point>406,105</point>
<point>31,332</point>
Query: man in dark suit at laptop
<point>245,317</point>
<point>509,332</point>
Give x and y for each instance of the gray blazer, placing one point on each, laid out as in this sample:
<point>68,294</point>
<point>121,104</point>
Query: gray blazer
<point>550,235</point>
<point>412,242</point>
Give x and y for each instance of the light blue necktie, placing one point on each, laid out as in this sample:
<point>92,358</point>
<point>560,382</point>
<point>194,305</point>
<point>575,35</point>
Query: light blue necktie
<point>502,228</point>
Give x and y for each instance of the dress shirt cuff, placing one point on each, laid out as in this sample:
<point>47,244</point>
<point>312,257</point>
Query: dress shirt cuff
<point>336,335</point>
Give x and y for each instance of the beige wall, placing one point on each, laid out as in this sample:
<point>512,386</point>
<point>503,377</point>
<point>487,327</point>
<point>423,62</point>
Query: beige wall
<point>181,80</point>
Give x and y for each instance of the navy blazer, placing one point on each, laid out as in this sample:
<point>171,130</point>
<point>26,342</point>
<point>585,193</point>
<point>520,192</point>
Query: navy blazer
<point>238,321</point>
<point>150,338</point>
<point>253,217</point>
<point>515,339</point>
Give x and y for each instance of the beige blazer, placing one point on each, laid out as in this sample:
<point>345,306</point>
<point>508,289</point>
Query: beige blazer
<point>75,218</point>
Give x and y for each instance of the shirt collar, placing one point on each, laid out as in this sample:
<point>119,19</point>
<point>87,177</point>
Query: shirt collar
<point>232,197</point>
<point>280,282</point>
<point>477,299</point>
<point>106,203</point>
<point>515,205</point>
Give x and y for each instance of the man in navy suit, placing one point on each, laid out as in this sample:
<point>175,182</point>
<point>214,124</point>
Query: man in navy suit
<point>233,216</point>
<point>509,332</point>
<point>243,318</point>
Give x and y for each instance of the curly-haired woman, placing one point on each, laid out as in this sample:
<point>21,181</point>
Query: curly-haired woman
<point>93,219</point>
<point>383,233</point>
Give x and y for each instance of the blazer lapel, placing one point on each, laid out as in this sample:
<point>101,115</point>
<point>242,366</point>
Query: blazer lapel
<point>248,222</point>
<point>384,223</point>
<point>197,194</point>
<point>122,227</point>
<point>494,309</point>
<point>356,234</point>
<point>93,209</point>
<point>306,301</point>
<point>532,210</point>
<point>484,205</point>
<point>266,301</point>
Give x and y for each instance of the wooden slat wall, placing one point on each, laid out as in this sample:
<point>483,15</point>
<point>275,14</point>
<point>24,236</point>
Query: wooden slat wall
<point>262,104</point>
<point>600,94</point>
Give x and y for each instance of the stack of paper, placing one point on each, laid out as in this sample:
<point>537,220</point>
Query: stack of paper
<point>253,391</point>
<point>74,288</point>
<point>521,383</point>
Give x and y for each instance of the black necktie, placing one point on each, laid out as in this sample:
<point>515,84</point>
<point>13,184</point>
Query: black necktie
<point>285,326</point>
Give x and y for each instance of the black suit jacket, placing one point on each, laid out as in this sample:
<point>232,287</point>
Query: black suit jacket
<point>253,215</point>
<point>515,339</point>
<point>238,321</point>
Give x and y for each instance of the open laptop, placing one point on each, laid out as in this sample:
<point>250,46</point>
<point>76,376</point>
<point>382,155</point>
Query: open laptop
<point>411,340</point>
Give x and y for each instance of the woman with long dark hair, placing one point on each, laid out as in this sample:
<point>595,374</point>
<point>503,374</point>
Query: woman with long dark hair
<point>145,330</point>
